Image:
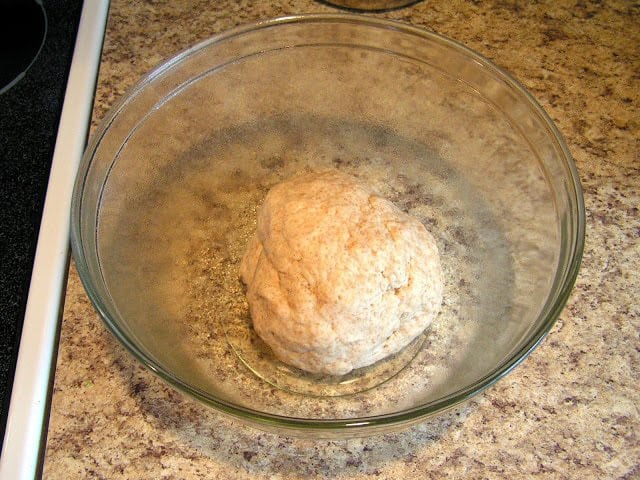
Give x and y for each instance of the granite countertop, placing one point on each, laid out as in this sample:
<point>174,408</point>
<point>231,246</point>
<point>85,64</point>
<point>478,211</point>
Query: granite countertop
<point>569,411</point>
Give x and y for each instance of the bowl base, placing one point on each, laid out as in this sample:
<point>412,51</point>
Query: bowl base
<point>258,357</point>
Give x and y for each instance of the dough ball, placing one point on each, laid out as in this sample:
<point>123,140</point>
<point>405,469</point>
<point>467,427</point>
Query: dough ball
<point>338,277</point>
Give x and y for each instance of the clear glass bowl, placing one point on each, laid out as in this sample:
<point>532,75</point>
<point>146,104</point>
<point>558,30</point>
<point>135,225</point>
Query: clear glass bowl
<point>167,193</point>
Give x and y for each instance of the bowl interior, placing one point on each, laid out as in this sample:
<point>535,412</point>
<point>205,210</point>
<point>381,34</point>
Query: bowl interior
<point>167,200</point>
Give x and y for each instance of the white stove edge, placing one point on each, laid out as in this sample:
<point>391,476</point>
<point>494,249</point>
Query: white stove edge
<point>29,399</point>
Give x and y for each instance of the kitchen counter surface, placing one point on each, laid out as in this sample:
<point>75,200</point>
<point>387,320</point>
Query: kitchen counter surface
<point>569,411</point>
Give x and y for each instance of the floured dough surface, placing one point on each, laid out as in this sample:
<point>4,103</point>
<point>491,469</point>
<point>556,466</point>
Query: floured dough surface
<point>338,277</point>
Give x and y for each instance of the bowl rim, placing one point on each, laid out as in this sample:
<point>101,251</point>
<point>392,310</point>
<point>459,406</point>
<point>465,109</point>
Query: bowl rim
<point>553,309</point>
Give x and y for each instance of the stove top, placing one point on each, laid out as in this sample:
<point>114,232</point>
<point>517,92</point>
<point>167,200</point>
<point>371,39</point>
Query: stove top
<point>29,116</point>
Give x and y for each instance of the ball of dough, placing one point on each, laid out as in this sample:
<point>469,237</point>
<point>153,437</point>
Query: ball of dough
<point>338,277</point>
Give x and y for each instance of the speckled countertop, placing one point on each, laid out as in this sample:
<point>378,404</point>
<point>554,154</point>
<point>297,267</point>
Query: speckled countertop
<point>571,410</point>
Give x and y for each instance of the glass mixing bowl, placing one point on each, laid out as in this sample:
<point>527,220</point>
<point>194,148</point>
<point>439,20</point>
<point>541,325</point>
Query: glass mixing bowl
<point>166,198</point>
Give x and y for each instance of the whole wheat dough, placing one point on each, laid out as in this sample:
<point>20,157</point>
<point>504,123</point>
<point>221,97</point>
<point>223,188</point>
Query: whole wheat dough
<point>338,277</point>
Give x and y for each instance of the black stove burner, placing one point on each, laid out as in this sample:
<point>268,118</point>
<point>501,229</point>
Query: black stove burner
<point>23,26</point>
